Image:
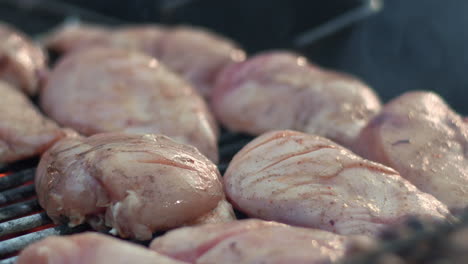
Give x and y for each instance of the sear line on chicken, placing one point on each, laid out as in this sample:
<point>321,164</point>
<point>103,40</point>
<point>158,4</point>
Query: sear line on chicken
<point>23,63</point>
<point>254,241</point>
<point>24,131</point>
<point>310,181</point>
<point>89,248</point>
<point>281,90</point>
<point>101,89</point>
<point>135,184</point>
<point>425,141</point>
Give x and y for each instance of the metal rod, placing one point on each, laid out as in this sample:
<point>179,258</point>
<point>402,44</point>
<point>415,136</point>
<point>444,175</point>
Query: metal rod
<point>18,243</point>
<point>24,223</point>
<point>18,209</point>
<point>340,22</point>
<point>17,178</point>
<point>16,194</point>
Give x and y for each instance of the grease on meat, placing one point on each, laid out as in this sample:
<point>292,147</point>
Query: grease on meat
<point>281,90</point>
<point>106,89</point>
<point>425,141</point>
<point>135,184</point>
<point>24,131</point>
<point>310,181</point>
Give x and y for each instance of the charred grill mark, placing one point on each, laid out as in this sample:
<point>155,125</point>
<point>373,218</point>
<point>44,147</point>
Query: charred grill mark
<point>401,141</point>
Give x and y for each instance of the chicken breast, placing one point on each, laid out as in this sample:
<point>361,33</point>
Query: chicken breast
<point>135,184</point>
<point>425,141</point>
<point>221,214</point>
<point>143,38</point>
<point>281,90</point>
<point>253,241</point>
<point>310,181</point>
<point>89,248</point>
<point>75,36</point>
<point>24,131</point>
<point>106,89</point>
<point>198,55</point>
<point>22,62</point>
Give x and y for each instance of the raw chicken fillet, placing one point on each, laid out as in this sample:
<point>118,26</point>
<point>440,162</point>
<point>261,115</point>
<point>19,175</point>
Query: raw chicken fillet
<point>134,184</point>
<point>24,131</point>
<point>23,63</point>
<point>281,90</point>
<point>425,141</point>
<point>89,248</point>
<point>310,181</point>
<point>101,89</point>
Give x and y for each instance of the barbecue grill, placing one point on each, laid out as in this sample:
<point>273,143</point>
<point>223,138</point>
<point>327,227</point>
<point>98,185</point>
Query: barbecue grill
<point>22,221</point>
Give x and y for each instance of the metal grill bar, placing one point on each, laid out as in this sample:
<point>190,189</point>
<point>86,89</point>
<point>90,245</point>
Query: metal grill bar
<point>17,178</point>
<point>23,224</point>
<point>16,194</point>
<point>15,244</point>
<point>18,209</point>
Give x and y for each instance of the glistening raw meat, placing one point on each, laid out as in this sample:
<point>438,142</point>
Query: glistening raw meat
<point>102,89</point>
<point>198,55</point>
<point>134,184</point>
<point>144,38</point>
<point>281,90</point>
<point>89,248</point>
<point>24,131</point>
<point>310,181</point>
<point>254,241</point>
<point>425,141</point>
<point>22,62</point>
<point>72,37</point>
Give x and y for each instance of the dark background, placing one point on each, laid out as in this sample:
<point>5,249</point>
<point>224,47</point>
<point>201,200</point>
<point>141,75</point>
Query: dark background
<point>408,45</point>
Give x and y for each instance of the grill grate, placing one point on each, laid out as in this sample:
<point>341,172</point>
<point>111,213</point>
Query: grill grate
<point>23,222</point>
